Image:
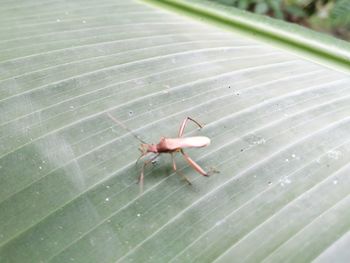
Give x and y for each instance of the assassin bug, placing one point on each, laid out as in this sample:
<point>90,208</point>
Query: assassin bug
<point>172,146</point>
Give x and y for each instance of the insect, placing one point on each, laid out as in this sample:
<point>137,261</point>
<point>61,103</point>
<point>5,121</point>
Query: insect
<point>171,146</point>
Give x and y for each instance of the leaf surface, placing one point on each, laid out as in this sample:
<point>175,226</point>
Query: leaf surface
<point>279,127</point>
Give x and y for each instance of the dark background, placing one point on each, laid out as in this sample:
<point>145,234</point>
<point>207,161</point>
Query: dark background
<point>329,16</point>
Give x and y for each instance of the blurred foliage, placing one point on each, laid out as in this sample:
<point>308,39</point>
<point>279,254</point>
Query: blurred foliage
<point>330,16</point>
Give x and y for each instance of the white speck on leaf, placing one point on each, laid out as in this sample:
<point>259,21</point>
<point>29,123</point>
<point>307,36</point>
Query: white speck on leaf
<point>107,199</point>
<point>58,20</point>
<point>260,141</point>
<point>284,180</point>
<point>254,139</point>
<point>138,215</point>
<point>333,154</point>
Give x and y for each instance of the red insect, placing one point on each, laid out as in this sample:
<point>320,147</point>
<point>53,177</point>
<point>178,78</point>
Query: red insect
<point>172,146</point>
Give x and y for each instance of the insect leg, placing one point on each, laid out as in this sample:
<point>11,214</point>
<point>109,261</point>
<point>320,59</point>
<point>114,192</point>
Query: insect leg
<point>143,169</point>
<point>142,155</point>
<point>194,164</point>
<point>183,125</point>
<point>178,172</point>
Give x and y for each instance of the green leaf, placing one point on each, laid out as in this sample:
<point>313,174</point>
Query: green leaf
<point>278,123</point>
<point>261,8</point>
<point>295,10</point>
<point>243,4</point>
<point>340,13</point>
<point>276,6</point>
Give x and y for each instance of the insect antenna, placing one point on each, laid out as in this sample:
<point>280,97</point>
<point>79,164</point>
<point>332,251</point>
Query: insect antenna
<point>126,128</point>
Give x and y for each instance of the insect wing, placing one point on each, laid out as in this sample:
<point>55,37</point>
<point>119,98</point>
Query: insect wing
<point>187,142</point>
